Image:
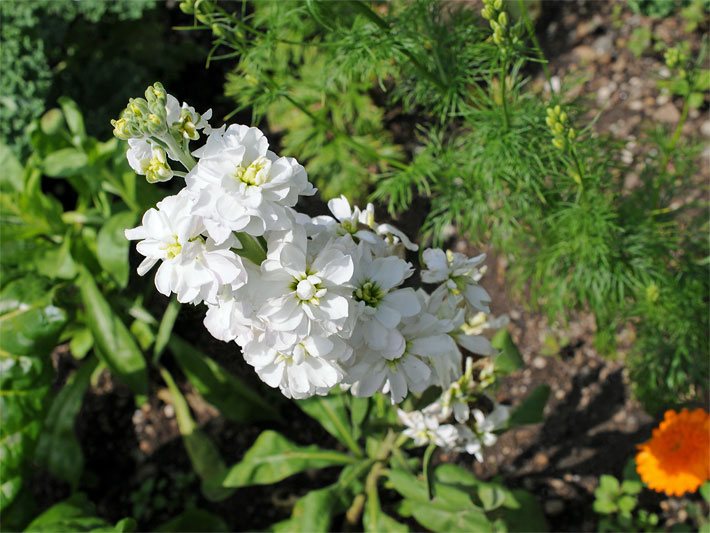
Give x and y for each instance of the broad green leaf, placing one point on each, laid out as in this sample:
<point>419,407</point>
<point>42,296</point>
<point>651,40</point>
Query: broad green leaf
<point>11,175</point>
<point>604,506</point>
<point>115,344</point>
<point>29,329</point>
<point>330,411</point>
<point>235,400</point>
<point>526,516</point>
<point>314,512</point>
<point>490,491</point>
<point>359,409</point>
<point>509,359</point>
<point>626,503</point>
<point>450,510</point>
<point>204,455</point>
<point>57,262</point>
<point>65,163</point>
<point>51,122</point>
<point>58,449</point>
<point>76,513</point>
<point>73,116</point>
<point>194,520</point>
<point>491,495</point>
<point>113,246</point>
<point>532,408</point>
<point>81,342</point>
<point>273,458</point>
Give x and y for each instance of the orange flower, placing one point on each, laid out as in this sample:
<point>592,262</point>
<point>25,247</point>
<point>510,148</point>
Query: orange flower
<point>677,458</point>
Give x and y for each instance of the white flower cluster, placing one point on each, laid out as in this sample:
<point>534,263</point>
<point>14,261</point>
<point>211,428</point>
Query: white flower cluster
<point>313,302</point>
<point>470,430</point>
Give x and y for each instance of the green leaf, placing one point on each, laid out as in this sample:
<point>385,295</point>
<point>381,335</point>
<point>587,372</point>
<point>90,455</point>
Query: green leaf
<point>450,510</point>
<point>532,408</point>
<point>626,503</point>
<point>359,409</point>
<point>194,520</point>
<point>526,516</point>
<point>705,491</point>
<point>273,458</point>
<point>204,455</point>
<point>314,512</point>
<point>57,262</point>
<point>115,344</point>
<point>509,359</point>
<point>12,171</point>
<point>65,163</point>
<point>113,246</point>
<point>428,470</point>
<point>631,487</point>
<point>58,448</point>
<point>492,496</point>
<point>80,343</point>
<point>76,513</point>
<point>331,413</point>
<point>29,329</point>
<point>695,100</point>
<point>702,82</point>
<point>604,506</point>
<point>609,485</point>
<point>235,400</point>
<point>51,122</point>
<point>73,116</point>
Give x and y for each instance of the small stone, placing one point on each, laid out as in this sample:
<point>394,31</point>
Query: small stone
<point>540,460</point>
<point>705,128</point>
<point>169,411</point>
<point>584,53</point>
<point>554,507</point>
<point>667,113</point>
<point>539,362</point>
<point>559,394</point>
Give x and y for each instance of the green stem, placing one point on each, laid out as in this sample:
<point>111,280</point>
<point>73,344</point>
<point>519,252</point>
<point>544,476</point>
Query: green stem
<point>676,134</point>
<point>184,156</point>
<point>166,328</point>
<point>503,95</point>
<point>251,248</point>
<point>374,17</point>
<point>373,499</point>
<point>536,43</point>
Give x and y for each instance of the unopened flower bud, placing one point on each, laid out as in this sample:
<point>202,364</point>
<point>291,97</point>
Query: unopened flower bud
<point>550,122</point>
<point>563,117</point>
<point>558,143</point>
<point>503,19</point>
<point>498,4</point>
<point>571,134</point>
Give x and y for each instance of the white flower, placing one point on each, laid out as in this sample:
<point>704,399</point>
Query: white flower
<point>382,304</point>
<point>233,316</point>
<point>185,119</point>
<point>148,160</point>
<point>473,441</point>
<point>242,186</point>
<point>300,368</point>
<point>306,290</point>
<point>424,429</point>
<point>191,267</point>
<point>394,237</point>
<point>459,273</point>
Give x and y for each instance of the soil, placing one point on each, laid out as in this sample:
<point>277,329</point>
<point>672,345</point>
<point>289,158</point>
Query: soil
<point>138,464</point>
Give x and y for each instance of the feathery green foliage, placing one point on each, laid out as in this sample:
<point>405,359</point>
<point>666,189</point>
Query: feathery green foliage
<point>431,99</point>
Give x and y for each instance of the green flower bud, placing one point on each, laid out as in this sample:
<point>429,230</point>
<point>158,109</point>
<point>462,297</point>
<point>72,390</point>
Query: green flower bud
<point>550,112</point>
<point>187,6</point>
<point>486,13</point>
<point>571,134</point>
<point>550,122</point>
<point>503,19</point>
<point>563,117</point>
<point>559,128</point>
<point>498,4</point>
<point>558,110</point>
<point>120,129</point>
<point>558,143</point>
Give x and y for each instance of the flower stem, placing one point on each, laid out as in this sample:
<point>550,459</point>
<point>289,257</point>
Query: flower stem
<point>166,328</point>
<point>251,248</point>
<point>503,95</point>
